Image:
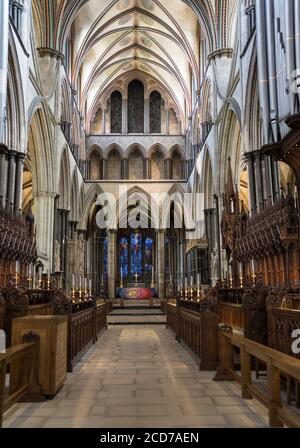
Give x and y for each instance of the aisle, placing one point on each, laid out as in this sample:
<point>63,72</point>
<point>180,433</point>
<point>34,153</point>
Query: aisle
<point>140,377</point>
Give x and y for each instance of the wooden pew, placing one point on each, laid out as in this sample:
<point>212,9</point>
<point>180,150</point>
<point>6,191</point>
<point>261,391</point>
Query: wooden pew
<point>278,365</point>
<point>20,303</point>
<point>27,388</point>
<point>196,324</point>
<point>86,318</point>
<point>283,310</point>
<point>172,316</point>
<point>244,309</point>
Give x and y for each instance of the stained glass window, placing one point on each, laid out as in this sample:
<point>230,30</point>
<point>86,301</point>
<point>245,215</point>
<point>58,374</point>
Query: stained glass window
<point>124,257</point>
<point>148,257</point>
<point>136,255</point>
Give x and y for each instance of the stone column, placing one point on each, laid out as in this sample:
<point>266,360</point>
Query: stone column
<point>104,164</point>
<point>161,263</point>
<point>167,121</point>
<point>125,169</point>
<point>262,66</point>
<point>3,173</point>
<point>4,22</point>
<point>147,116</point>
<point>124,116</point>
<point>258,181</point>
<point>111,268</point>
<point>19,180</point>
<point>11,181</point>
<point>44,221</point>
<point>103,121</point>
<point>147,168</point>
<point>251,179</point>
<point>168,169</point>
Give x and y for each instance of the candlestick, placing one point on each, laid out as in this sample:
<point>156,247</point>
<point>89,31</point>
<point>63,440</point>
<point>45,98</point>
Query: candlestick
<point>242,280</point>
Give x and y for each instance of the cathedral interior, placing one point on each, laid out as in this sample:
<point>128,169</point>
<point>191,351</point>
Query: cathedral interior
<point>149,213</point>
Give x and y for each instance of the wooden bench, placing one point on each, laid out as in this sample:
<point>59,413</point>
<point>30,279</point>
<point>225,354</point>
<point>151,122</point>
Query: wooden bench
<point>277,365</point>
<point>27,387</point>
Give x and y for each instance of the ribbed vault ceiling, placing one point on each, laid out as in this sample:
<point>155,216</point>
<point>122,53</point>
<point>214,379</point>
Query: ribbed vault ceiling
<point>156,38</point>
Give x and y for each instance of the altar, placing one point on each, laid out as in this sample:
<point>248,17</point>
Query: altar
<point>136,293</point>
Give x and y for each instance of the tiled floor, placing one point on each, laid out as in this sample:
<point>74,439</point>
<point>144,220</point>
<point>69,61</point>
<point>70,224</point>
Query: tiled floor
<point>135,377</point>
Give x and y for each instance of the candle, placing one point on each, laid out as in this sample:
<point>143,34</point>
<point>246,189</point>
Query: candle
<point>73,281</point>
<point>192,280</point>
<point>198,280</point>
<point>33,277</point>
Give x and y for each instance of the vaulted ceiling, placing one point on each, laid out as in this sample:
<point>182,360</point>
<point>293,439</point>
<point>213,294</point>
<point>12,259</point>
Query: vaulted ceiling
<point>157,38</point>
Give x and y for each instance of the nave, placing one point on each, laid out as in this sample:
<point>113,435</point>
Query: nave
<point>150,152</point>
<point>140,377</point>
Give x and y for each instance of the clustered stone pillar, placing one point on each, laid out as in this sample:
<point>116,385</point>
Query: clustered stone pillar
<point>161,262</point>
<point>44,216</point>
<point>61,236</point>
<point>251,180</point>
<point>19,180</point>
<point>111,268</point>
<point>263,180</point>
<point>3,173</point>
<point>11,177</point>
<point>4,22</point>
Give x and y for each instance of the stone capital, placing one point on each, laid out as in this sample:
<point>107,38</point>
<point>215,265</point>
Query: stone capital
<point>44,52</point>
<point>226,52</point>
<point>3,149</point>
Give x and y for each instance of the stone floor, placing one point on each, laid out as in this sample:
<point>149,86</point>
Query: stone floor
<point>135,377</point>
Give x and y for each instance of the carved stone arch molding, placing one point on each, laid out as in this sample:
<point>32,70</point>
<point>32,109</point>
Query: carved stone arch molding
<point>15,130</point>
<point>230,144</point>
<point>64,181</point>
<point>41,153</point>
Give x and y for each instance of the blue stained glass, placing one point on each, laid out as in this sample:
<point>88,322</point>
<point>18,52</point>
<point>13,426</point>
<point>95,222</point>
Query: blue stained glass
<point>148,256</point>
<point>124,257</point>
<point>136,254</point>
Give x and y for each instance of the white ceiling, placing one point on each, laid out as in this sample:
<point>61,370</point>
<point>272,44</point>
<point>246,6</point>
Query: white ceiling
<point>158,38</point>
